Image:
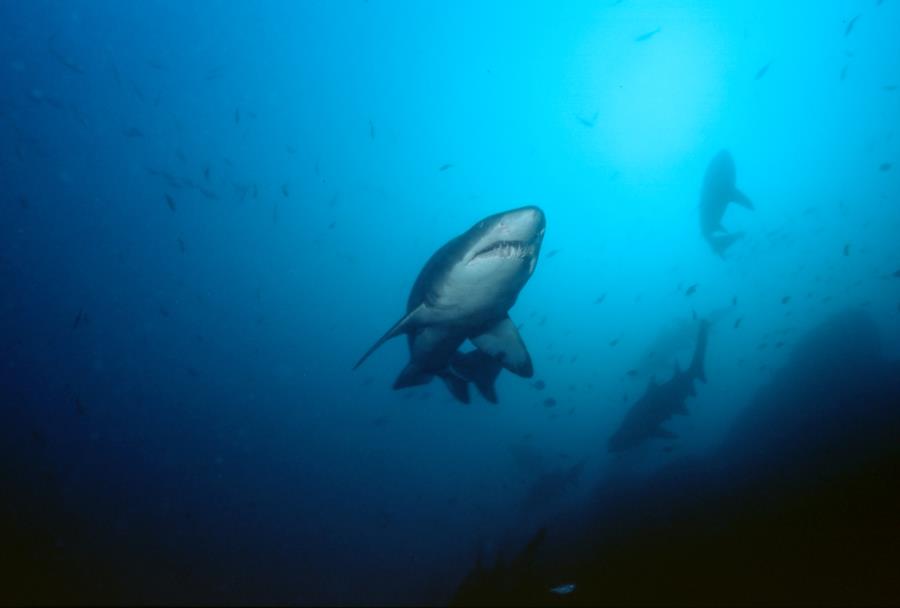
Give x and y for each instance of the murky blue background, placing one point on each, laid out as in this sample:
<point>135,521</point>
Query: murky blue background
<point>181,422</point>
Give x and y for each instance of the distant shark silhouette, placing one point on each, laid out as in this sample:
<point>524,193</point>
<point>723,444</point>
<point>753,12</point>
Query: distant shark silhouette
<point>718,190</point>
<point>644,419</point>
<point>465,291</point>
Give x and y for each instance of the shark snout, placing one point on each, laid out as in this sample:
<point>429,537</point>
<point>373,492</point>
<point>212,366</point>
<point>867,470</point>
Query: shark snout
<point>524,224</point>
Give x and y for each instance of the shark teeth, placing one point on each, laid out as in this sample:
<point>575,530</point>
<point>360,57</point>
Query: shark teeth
<point>506,249</point>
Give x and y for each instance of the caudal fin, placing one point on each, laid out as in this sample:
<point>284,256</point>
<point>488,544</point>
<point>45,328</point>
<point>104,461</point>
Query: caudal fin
<point>697,370</point>
<point>480,369</point>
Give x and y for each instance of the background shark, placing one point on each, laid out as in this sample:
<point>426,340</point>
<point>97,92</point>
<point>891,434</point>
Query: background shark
<point>465,291</point>
<point>718,190</point>
<point>661,401</point>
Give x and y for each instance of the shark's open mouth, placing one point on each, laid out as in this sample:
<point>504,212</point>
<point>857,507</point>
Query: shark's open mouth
<point>506,249</point>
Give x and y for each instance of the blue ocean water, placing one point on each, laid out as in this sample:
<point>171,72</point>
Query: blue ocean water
<point>211,210</point>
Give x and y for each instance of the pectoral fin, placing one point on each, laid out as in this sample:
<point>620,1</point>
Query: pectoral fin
<point>741,199</point>
<point>502,341</point>
<point>400,327</point>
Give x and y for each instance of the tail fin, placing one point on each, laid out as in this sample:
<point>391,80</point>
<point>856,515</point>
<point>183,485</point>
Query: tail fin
<point>696,369</point>
<point>480,369</point>
<point>721,242</point>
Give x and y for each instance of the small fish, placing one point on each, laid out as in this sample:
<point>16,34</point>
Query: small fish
<point>290,149</point>
<point>734,301</point>
<point>206,172</point>
<point>884,167</point>
<point>588,123</point>
<point>648,35</point>
<point>284,190</point>
<point>785,299</point>
<point>847,249</point>
<point>737,322</point>
<point>275,214</point>
<point>889,88</point>
<point>62,58</point>
<point>133,132</point>
<point>600,299</point>
<point>23,202</point>
<point>614,341</point>
<point>163,311</point>
<point>192,372</point>
<point>762,71</point>
<point>79,319</point>
<point>381,421</point>
<point>552,252</point>
<point>850,25</point>
<point>631,373</point>
<point>896,274</point>
<point>445,166</point>
<point>237,116</point>
<point>213,73</point>
<point>371,129</point>
<point>844,71</point>
<point>181,245</point>
<point>541,385</point>
<point>80,408</point>
<point>691,290</point>
<point>170,202</point>
<point>549,402</point>
<point>563,589</point>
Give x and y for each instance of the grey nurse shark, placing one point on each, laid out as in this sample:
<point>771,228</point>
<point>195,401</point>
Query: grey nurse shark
<point>465,291</point>
<point>718,191</point>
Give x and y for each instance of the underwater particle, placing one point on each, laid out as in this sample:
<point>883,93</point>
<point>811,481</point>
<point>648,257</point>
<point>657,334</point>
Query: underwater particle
<point>884,167</point>
<point>539,385</point>
<point>614,341</point>
<point>844,71</point>
<point>170,202</point>
<point>133,133</point>
<point>79,319</point>
<point>284,190</point>
<point>631,373</point>
<point>181,245</point>
<point>23,202</point>
<point>847,249</point>
<point>691,290</point>
<point>237,116</point>
<point>600,299</point>
<point>785,299</point>
<point>549,402</point>
<point>896,274</point>
<point>445,166</point>
<point>371,129</point>
<point>552,253</point>
<point>737,322</point>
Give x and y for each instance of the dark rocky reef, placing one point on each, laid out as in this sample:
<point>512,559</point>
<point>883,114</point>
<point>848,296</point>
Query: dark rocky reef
<point>800,504</point>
